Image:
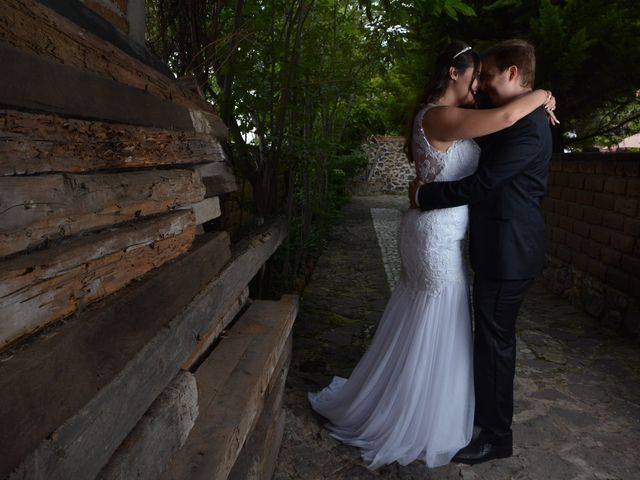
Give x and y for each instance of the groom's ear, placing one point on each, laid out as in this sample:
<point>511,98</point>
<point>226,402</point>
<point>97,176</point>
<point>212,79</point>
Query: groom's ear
<point>513,72</point>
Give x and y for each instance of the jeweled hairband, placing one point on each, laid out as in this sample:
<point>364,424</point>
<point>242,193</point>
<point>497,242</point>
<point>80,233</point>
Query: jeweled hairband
<point>465,49</point>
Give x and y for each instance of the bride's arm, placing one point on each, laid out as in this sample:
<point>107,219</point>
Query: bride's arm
<point>452,123</point>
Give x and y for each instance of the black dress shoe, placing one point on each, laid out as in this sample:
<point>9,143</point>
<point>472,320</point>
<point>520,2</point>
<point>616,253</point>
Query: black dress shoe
<point>481,450</point>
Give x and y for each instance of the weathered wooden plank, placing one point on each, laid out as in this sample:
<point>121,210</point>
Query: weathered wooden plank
<point>209,123</point>
<point>32,27</point>
<point>35,209</point>
<point>272,443</point>
<point>148,449</point>
<point>32,83</point>
<point>218,178</point>
<point>36,143</point>
<point>133,44</point>
<point>231,400</point>
<point>213,169</point>
<point>119,349</point>
<point>128,347</point>
<point>48,285</point>
<point>259,454</point>
<point>207,338</point>
<point>110,12</point>
<point>206,210</point>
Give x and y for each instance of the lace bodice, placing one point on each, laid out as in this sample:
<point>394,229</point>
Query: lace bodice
<point>432,242</point>
<point>433,165</point>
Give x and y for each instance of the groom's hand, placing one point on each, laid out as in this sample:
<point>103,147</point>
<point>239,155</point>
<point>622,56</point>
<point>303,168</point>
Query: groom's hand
<point>413,188</point>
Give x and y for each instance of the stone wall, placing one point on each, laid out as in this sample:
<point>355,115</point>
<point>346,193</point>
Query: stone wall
<point>388,169</point>
<point>593,234</point>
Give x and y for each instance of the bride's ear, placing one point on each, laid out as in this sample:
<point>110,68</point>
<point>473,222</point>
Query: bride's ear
<point>453,73</point>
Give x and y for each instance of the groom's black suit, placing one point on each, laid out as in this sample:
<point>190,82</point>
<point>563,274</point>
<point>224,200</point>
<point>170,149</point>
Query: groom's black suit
<point>507,253</point>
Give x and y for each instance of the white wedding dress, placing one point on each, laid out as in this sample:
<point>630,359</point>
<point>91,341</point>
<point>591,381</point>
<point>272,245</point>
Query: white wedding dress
<point>411,395</point>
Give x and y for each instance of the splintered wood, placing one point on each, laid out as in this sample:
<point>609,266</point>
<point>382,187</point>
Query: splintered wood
<point>48,285</point>
<point>36,143</point>
<point>108,168</point>
<point>232,383</point>
<point>32,27</point>
<point>128,347</point>
<point>35,209</point>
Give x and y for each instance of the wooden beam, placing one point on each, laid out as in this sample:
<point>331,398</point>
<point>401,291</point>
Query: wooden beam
<point>206,210</point>
<point>32,27</point>
<point>257,460</point>
<point>110,13</point>
<point>149,447</point>
<point>231,386</point>
<point>86,19</point>
<point>36,143</point>
<point>209,123</point>
<point>48,285</point>
<point>121,348</point>
<point>216,327</point>
<point>128,346</point>
<point>29,82</point>
<point>41,208</point>
<point>218,178</point>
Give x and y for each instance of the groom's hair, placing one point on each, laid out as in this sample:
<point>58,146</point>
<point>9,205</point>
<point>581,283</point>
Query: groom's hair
<point>515,52</point>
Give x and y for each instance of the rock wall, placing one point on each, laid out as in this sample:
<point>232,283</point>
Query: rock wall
<point>388,169</point>
<point>593,234</point>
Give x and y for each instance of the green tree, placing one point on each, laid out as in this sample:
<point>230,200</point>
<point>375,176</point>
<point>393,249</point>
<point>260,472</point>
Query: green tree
<point>300,84</point>
<point>587,54</point>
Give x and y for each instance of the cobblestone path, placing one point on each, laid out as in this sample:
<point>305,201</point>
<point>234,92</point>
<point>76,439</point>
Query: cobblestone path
<point>577,384</point>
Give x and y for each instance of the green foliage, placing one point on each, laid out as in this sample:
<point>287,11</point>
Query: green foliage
<point>498,4</point>
<point>591,62</point>
<point>301,83</point>
<point>455,8</point>
<point>587,54</point>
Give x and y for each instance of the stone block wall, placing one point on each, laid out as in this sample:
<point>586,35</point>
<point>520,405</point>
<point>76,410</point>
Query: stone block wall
<point>593,234</point>
<point>388,169</point>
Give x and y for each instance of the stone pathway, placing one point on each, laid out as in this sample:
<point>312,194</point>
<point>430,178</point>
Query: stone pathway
<point>577,384</point>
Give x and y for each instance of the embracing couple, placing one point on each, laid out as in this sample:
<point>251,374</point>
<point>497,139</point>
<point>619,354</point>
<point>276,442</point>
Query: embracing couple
<point>426,379</point>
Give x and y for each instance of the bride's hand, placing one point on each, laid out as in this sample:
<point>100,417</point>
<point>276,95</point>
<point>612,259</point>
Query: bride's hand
<point>549,107</point>
<point>413,187</point>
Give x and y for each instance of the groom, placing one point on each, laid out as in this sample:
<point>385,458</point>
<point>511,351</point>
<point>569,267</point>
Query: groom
<point>506,239</point>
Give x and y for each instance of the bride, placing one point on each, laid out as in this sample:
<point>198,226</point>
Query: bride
<point>411,395</point>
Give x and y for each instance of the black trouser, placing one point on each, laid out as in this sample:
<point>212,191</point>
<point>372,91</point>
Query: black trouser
<point>496,304</point>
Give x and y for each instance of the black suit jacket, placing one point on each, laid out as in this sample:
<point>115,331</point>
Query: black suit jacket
<point>505,200</point>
